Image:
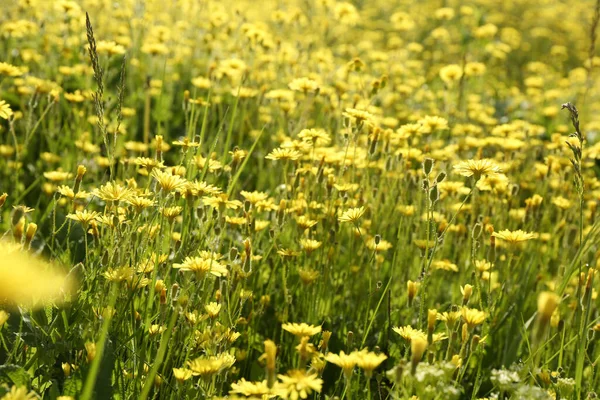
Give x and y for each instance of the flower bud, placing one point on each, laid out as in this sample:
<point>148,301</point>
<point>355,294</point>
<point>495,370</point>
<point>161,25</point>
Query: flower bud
<point>418,345</point>
<point>547,303</point>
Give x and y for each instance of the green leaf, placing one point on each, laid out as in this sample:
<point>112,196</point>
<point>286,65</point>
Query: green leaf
<point>72,387</point>
<point>16,374</point>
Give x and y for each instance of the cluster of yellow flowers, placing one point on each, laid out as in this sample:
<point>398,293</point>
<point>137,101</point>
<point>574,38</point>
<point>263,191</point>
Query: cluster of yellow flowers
<point>201,173</point>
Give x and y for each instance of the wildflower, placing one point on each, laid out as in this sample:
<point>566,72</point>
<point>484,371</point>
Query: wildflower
<point>57,176</point>
<point>310,245</point>
<point>3,317</point>
<point>431,123</point>
<point>202,266</point>
<point>352,215</point>
<point>221,202</point>
<point>212,365</point>
<point>561,202</point>
<point>473,317</point>
<point>114,192</point>
<point>358,116</point>
<point>315,136</point>
<point>298,384</point>
<point>254,197</point>
<point>368,361</point>
<point>412,288</point>
<point>301,329</point>
<point>304,85</point>
<point>182,374</point>
<point>19,393</point>
<point>27,280</point>
<point>70,193</point>
<point>308,276</point>
<point>346,362</point>
<point>477,168</point>
<point>408,332</point>
<point>5,110</point>
<point>417,348</point>
<point>85,216</point>
<point>139,202</point>
<point>251,389</point>
<point>451,74</point>
<point>213,309</point>
<point>514,237</point>
<point>168,182</point>
<point>546,304</point>
<point>450,318</point>
<point>378,245</point>
<point>211,164</point>
<point>445,265</point>
<point>284,154</point>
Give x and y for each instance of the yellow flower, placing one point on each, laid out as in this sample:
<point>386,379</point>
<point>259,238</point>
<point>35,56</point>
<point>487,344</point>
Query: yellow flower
<point>29,281</point>
<point>5,110</point>
<point>57,176</point>
<point>305,85</point>
<point>3,317</point>
<point>253,389</point>
<point>451,74</point>
<point>213,309</point>
<point>85,216</point>
<point>477,168</point>
<point>221,202</point>
<point>298,384</point>
<point>301,329</point>
<point>182,374</point>
<point>546,304</point>
<point>368,360</point>
<point>352,215</point>
<point>167,181</point>
<point>212,365</point>
<point>346,362</point>
<point>19,393</point>
<point>112,191</point>
<point>202,266</point>
<point>473,317</point>
<point>284,154</point>
<point>514,237</point>
<point>408,332</point>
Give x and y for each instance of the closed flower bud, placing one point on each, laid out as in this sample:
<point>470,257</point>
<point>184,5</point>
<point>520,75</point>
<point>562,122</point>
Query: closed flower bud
<point>547,303</point>
<point>412,288</point>
<point>31,230</point>
<point>466,291</point>
<point>418,345</point>
<point>3,197</point>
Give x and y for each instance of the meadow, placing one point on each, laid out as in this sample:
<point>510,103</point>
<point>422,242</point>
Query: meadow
<point>304,199</point>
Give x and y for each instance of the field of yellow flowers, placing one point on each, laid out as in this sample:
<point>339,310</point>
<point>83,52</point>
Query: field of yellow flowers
<point>303,199</point>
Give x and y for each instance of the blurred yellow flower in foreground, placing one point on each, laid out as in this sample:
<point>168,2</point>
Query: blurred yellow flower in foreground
<point>28,281</point>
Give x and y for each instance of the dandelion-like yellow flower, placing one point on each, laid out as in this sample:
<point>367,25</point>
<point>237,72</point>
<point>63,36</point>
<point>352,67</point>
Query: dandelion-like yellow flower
<point>202,266</point>
<point>250,389</point>
<point>368,361</point>
<point>167,181</point>
<point>473,317</point>
<point>298,384</point>
<point>477,168</point>
<point>352,215</point>
<point>451,74</point>
<point>5,110</point>
<point>514,237</point>
<point>301,329</point>
<point>27,280</point>
<point>284,154</point>
<point>85,216</point>
<point>346,362</point>
<point>112,191</point>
